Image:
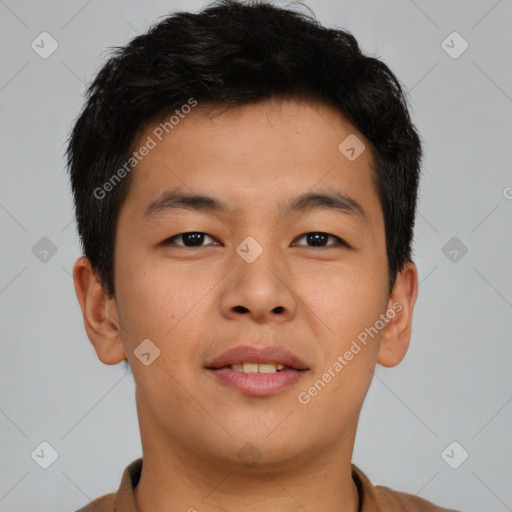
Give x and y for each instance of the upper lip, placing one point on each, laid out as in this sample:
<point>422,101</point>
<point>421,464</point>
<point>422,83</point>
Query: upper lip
<point>260,355</point>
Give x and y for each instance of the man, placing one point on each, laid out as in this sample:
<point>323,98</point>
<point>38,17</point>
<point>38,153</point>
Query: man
<point>245,186</point>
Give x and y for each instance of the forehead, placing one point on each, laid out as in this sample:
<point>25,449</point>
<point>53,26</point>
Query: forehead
<point>252,157</point>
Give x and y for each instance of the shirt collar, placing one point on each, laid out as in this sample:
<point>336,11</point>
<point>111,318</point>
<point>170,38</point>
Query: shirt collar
<point>125,500</point>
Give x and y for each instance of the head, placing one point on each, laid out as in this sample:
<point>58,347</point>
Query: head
<point>253,106</point>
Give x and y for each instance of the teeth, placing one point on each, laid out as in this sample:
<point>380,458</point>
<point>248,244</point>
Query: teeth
<point>267,368</point>
<point>257,368</point>
<point>250,367</point>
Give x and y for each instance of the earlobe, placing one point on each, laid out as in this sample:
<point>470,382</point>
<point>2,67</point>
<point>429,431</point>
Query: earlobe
<point>99,314</point>
<point>397,334</point>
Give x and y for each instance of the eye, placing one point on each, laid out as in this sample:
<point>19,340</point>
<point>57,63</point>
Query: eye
<point>196,239</point>
<point>318,239</point>
<point>190,239</point>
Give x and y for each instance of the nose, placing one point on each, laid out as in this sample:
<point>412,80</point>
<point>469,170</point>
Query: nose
<point>260,290</point>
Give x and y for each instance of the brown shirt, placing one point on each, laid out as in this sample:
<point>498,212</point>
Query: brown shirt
<point>371,498</point>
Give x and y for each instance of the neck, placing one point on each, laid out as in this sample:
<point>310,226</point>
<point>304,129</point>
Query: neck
<point>173,479</point>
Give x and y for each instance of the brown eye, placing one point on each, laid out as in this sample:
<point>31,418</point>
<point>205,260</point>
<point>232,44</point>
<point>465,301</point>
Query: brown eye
<point>319,239</point>
<point>189,239</point>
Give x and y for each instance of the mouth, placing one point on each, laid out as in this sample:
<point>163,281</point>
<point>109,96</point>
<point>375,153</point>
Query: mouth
<point>261,368</point>
<point>257,371</point>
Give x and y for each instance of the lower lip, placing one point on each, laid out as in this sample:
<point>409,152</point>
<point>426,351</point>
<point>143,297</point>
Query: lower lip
<point>258,384</point>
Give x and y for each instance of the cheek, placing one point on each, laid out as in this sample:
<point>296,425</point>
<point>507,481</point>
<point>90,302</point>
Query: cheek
<point>163,302</point>
<point>150,299</point>
<point>344,310</point>
<point>348,309</point>
<point>349,294</point>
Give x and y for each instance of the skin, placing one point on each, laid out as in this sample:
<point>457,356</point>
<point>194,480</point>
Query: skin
<point>186,300</point>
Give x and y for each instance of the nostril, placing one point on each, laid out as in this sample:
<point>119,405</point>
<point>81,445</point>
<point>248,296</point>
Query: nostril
<point>241,309</point>
<point>278,309</point>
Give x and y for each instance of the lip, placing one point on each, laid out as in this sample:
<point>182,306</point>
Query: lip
<point>257,384</point>
<point>252,383</point>
<point>260,355</point>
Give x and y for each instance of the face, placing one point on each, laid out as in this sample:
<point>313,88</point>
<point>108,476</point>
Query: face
<point>198,280</point>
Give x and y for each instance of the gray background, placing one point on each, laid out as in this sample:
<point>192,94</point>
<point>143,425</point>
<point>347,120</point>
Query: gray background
<point>454,384</point>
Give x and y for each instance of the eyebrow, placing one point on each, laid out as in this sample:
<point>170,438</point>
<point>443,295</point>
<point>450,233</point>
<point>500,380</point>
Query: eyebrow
<point>322,200</point>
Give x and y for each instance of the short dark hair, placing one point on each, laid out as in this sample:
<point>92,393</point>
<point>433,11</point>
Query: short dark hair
<point>232,53</point>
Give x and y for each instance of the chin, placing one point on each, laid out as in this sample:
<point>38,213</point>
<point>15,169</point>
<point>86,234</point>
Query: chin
<point>258,453</point>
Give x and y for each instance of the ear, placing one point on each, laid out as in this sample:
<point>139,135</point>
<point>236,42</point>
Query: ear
<point>99,312</point>
<point>397,334</point>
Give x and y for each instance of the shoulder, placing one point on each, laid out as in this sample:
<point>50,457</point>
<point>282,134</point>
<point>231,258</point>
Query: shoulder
<point>104,503</point>
<point>388,499</point>
<point>378,498</point>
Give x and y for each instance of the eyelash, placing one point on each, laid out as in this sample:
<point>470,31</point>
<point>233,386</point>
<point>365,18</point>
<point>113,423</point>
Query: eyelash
<point>339,240</point>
